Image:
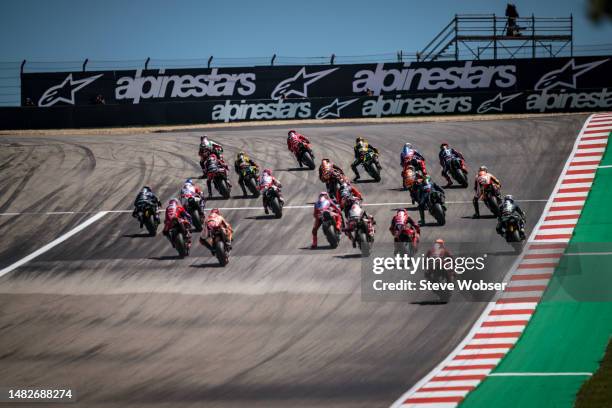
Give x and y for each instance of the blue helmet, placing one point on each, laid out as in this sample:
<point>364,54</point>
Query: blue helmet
<point>189,181</point>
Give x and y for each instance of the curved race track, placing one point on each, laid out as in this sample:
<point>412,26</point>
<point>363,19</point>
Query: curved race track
<point>118,318</point>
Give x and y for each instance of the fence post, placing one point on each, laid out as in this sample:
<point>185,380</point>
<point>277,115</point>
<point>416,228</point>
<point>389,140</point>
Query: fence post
<point>533,42</point>
<point>400,56</point>
<point>331,60</point>
<point>209,61</point>
<point>571,35</point>
<point>22,67</point>
<point>147,63</point>
<point>85,63</point>
<point>272,60</point>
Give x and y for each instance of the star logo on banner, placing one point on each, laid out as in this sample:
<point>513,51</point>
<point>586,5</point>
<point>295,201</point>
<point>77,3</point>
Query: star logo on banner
<point>497,103</point>
<point>333,109</point>
<point>567,75</point>
<point>65,91</point>
<point>298,85</point>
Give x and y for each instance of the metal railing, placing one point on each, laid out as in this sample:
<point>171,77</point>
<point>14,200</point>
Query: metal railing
<point>488,35</point>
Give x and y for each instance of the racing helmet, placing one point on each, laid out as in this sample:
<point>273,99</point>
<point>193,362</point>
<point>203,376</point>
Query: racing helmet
<point>147,189</point>
<point>355,211</point>
<point>323,194</point>
<point>440,241</point>
<point>173,202</point>
<point>240,155</point>
<point>204,140</point>
<point>509,197</point>
<point>189,181</point>
<point>214,211</point>
<point>443,145</point>
<point>483,168</point>
<point>291,132</point>
<point>213,157</point>
<point>408,146</point>
<point>267,171</point>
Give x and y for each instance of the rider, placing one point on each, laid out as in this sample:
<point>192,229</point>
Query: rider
<point>423,187</point>
<point>212,166</point>
<point>215,221</point>
<point>175,210</point>
<point>346,195</point>
<point>266,180</point>
<point>146,197</point>
<point>190,189</point>
<point>327,169</point>
<point>242,161</point>
<point>325,203</point>
<point>208,147</point>
<point>484,180</point>
<point>409,155</point>
<point>409,173</point>
<point>293,141</point>
<point>509,208</point>
<point>446,155</point>
<point>439,250</point>
<point>400,221</point>
<point>362,147</point>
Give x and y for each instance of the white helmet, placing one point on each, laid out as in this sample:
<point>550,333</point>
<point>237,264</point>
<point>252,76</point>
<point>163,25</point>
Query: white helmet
<point>408,146</point>
<point>355,211</point>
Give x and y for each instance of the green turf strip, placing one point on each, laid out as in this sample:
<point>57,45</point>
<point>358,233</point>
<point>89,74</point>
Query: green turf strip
<point>571,326</point>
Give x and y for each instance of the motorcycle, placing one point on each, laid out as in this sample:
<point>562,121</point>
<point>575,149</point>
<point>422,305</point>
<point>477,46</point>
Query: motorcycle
<point>333,183</point>
<point>306,155</point>
<point>219,180</point>
<point>363,228</point>
<point>250,174</point>
<point>458,172</point>
<point>220,249</point>
<point>435,205</point>
<point>180,236</point>
<point>491,199</point>
<point>147,216</point>
<point>274,202</point>
<point>367,159</point>
<point>437,274</point>
<point>407,242</point>
<point>512,232</point>
<point>195,207</point>
<point>328,224</point>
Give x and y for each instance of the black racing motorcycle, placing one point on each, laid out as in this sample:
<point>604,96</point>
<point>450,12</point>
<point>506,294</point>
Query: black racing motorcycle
<point>274,202</point>
<point>180,236</point>
<point>512,231</point>
<point>249,175</point>
<point>435,205</point>
<point>369,164</point>
<point>147,216</point>
<point>457,172</point>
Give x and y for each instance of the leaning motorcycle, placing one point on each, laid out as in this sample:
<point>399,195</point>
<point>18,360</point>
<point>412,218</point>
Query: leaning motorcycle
<point>491,199</point>
<point>458,172</point>
<point>363,228</point>
<point>407,242</point>
<point>195,207</point>
<point>328,223</point>
<point>435,205</point>
<point>220,249</point>
<point>180,236</point>
<point>147,216</point>
<point>274,202</point>
<point>306,155</point>
<point>249,175</point>
<point>219,180</point>
<point>367,159</point>
<point>512,232</point>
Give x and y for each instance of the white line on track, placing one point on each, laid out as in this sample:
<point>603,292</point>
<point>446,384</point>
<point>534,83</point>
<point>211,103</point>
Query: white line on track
<point>537,374</point>
<point>607,166</point>
<point>53,243</point>
<point>239,208</point>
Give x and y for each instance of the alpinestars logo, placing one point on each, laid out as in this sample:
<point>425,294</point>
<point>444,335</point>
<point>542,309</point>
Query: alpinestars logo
<point>497,103</point>
<point>333,109</point>
<point>297,85</point>
<point>65,92</point>
<point>566,76</point>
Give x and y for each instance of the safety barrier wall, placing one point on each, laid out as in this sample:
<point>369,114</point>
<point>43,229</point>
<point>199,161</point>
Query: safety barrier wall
<point>66,99</point>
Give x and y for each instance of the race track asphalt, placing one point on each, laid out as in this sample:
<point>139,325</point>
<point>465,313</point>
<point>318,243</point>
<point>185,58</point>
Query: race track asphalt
<point>118,318</point>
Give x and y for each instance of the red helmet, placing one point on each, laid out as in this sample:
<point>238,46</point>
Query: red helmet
<point>291,132</point>
<point>440,241</point>
<point>173,201</point>
<point>267,171</point>
<point>215,211</point>
<point>213,156</point>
